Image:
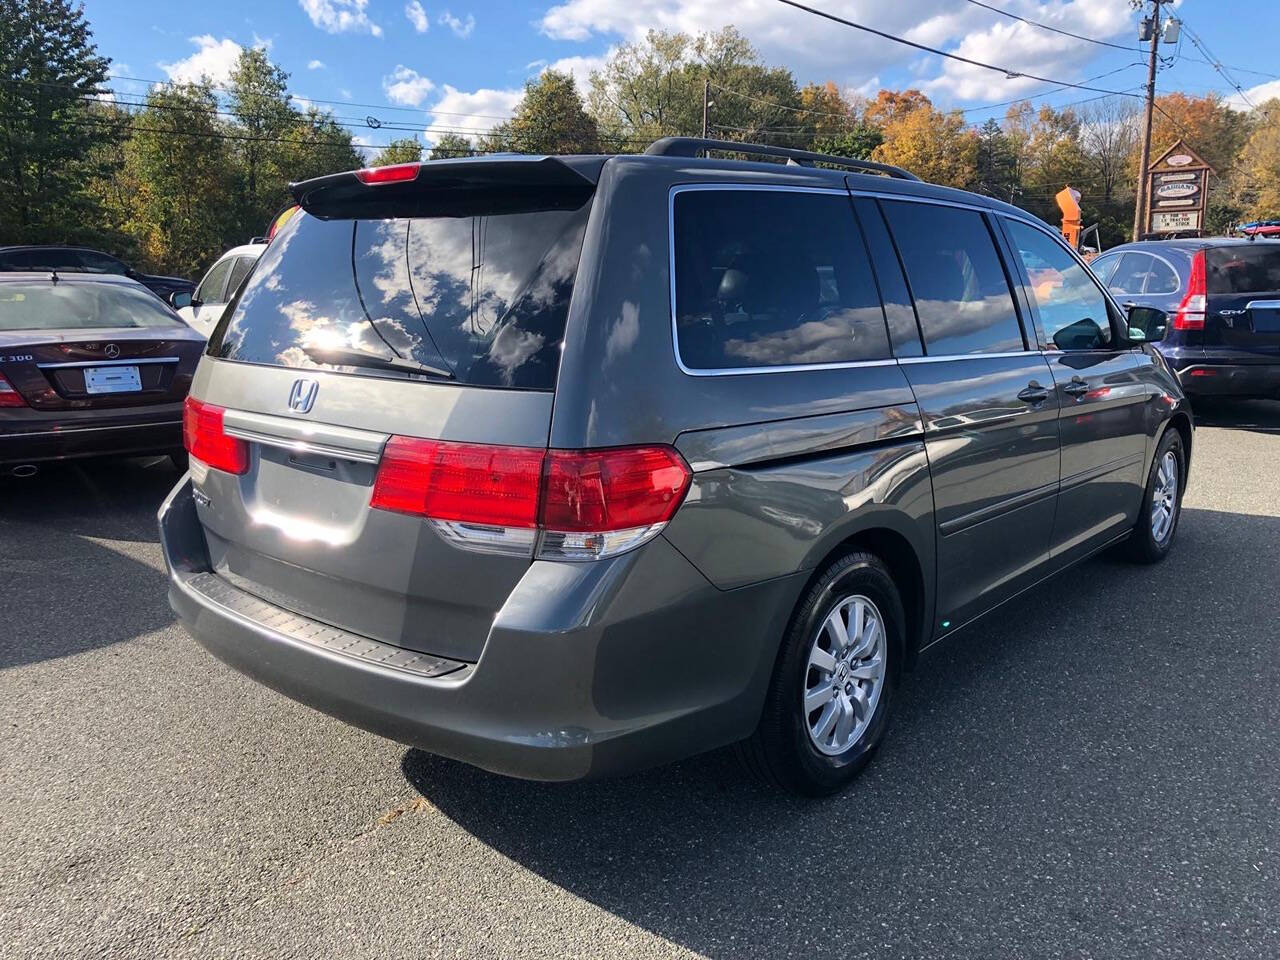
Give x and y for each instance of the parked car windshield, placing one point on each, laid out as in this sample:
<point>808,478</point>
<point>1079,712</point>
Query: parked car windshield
<point>71,305</point>
<point>1238,268</point>
<point>483,297</point>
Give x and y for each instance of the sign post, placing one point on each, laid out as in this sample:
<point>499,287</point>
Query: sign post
<point>1178,181</point>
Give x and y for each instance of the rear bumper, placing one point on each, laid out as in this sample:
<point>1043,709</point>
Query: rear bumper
<point>28,436</point>
<point>589,669</point>
<point>1208,378</point>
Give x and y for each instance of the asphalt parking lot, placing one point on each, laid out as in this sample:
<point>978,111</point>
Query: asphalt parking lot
<point>1092,772</point>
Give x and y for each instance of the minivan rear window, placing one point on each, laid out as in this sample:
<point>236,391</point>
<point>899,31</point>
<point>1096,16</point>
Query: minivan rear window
<point>767,278</point>
<point>1254,268</point>
<point>482,297</point>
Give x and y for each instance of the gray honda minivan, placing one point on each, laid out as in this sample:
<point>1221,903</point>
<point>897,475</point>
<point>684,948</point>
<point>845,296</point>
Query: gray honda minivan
<point>568,466</point>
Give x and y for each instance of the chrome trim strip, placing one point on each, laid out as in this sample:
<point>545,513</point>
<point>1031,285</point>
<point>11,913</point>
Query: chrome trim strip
<point>301,446</point>
<point>132,362</point>
<point>295,433</point>
<point>1262,305</point>
<point>970,356</point>
<point>1101,470</point>
<point>671,266</point>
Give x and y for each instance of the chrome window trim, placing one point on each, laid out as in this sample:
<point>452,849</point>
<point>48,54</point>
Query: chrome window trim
<point>132,362</point>
<point>939,358</point>
<point>1176,274</point>
<point>671,267</point>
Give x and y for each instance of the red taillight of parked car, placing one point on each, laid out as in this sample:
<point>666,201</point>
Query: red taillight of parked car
<point>205,438</point>
<point>569,504</point>
<point>9,397</point>
<point>1190,314</point>
<point>464,482</point>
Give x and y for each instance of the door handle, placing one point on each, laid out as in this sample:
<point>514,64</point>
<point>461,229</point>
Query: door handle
<point>1033,393</point>
<point>1077,388</point>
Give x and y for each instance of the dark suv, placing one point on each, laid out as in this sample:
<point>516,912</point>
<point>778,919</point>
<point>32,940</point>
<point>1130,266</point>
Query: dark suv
<point>83,260</point>
<point>565,466</point>
<point>1223,294</point>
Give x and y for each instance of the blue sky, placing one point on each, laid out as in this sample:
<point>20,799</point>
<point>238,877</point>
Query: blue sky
<point>431,66</point>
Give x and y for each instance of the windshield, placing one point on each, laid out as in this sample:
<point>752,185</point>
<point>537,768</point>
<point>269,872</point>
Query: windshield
<point>480,299</point>
<point>73,305</point>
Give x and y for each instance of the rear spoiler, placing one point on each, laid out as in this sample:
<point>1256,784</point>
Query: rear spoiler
<point>467,186</point>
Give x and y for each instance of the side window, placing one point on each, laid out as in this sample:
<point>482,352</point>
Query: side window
<point>767,278</point>
<point>1103,265</point>
<point>961,293</point>
<point>1131,274</point>
<point>904,333</point>
<point>1072,310</point>
<point>238,272</point>
<point>1163,279</point>
<point>214,282</point>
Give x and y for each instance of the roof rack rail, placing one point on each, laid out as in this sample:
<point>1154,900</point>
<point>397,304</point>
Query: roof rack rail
<point>692,146</point>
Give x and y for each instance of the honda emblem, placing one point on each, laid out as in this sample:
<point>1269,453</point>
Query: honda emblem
<point>303,395</point>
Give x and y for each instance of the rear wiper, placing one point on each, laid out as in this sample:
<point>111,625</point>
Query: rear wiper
<point>358,358</point>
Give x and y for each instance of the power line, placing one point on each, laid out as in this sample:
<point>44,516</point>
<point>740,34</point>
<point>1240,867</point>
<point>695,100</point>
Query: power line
<point>1009,73</point>
<point>1050,92</point>
<point>1045,26</point>
<point>1217,64</point>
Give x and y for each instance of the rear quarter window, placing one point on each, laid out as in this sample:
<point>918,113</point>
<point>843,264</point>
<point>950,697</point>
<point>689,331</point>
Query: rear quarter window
<point>772,278</point>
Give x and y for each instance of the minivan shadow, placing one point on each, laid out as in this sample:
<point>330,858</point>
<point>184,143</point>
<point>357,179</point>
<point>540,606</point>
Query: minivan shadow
<point>1038,763</point>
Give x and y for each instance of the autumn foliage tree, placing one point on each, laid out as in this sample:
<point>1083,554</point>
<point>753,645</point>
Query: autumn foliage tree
<point>933,145</point>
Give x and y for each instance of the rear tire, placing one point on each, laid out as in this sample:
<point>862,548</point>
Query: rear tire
<point>828,703</point>
<point>1157,523</point>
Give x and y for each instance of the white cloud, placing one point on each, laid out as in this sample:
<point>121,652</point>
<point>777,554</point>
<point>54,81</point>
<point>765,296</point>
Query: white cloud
<point>340,16</point>
<point>459,26</point>
<point>1257,96</point>
<point>315,64</point>
<point>470,112</point>
<point>213,58</point>
<point>818,49</point>
<point>344,93</point>
<point>417,16</point>
<point>406,86</point>
<point>580,68</point>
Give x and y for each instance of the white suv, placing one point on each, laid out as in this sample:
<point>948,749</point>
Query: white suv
<point>204,308</point>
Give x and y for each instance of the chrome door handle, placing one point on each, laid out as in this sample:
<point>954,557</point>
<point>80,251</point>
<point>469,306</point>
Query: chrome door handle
<point>1077,388</point>
<point>1033,393</point>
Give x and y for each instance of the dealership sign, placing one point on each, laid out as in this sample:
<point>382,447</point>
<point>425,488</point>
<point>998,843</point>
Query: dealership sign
<point>1178,187</point>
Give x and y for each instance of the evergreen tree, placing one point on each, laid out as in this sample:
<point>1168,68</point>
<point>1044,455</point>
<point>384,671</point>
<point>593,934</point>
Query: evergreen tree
<point>51,72</point>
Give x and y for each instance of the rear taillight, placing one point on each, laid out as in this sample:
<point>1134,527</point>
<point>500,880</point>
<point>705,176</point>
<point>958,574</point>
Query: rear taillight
<point>9,397</point>
<point>206,440</point>
<point>561,504</point>
<point>392,173</point>
<point>1190,315</point>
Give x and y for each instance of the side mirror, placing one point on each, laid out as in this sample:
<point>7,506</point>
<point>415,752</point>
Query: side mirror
<point>181,298</point>
<point>1146,324</point>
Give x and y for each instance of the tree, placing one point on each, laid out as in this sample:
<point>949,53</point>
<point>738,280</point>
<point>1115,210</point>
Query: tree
<point>264,118</point>
<point>451,145</point>
<point>49,149</point>
<point>1206,124</point>
<point>933,145</point>
<point>654,88</point>
<point>180,171</point>
<point>403,150</point>
<point>550,119</point>
<point>1255,183</point>
<point>995,163</point>
<point>893,105</point>
<point>317,144</point>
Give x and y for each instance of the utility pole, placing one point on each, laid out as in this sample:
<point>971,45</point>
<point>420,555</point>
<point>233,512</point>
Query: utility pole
<point>1144,188</point>
<point>706,103</point>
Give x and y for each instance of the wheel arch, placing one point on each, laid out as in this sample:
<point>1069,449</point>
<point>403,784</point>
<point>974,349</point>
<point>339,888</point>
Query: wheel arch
<point>908,573</point>
<point>1181,421</point>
